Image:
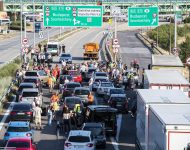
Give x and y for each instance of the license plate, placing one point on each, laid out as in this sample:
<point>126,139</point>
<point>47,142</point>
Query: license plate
<point>20,113</point>
<point>79,147</point>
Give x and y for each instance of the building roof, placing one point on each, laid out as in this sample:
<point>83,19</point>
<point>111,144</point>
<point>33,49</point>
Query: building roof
<point>175,114</point>
<point>170,77</point>
<point>166,60</point>
<point>155,96</point>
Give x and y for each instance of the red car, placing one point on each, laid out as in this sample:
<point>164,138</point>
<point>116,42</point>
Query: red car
<point>75,75</point>
<point>20,144</point>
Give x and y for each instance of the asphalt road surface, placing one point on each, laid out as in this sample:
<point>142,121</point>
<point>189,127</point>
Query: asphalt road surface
<point>46,139</point>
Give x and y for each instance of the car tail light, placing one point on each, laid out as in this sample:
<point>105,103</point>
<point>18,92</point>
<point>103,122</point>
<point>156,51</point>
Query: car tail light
<point>68,144</point>
<point>28,134</point>
<point>28,113</point>
<point>6,134</point>
<point>13,113</point>
<point>90,145</point>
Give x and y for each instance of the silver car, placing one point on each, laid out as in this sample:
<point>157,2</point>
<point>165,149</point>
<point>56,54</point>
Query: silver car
<point>65,57</point>
<point>30,94</point>
<point>83,93</point>
<point>104,87</point>
<point>97,81</point>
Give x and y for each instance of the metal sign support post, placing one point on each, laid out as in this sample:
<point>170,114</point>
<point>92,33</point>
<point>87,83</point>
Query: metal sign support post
<point>21,10</point>
<point>34,24</point>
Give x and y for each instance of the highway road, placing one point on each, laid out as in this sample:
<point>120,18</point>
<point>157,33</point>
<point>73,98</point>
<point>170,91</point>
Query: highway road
<point>47,139</point>
<point>132,48</point>
<point>10,48</point>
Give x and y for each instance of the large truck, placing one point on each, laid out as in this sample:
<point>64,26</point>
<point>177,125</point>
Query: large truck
<point>53,48</point>
<point>150,97</point>
<point>169,127</point>
<point>91,51</point>
<point>165,79</point>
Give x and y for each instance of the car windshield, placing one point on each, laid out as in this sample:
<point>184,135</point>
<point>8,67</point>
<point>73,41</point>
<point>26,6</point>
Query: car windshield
<point>106,84</point>
<point>79,139</point>
<point>95,130</point>
<point>19,144</point>
<point>117,91</point>
<point>65,55</point>
<point>73,101</point>
<point>72,86</point>
<point>100,80</point>
<point>42,73</point>
<point>31,74</point>
<point>103,116</point>
<point>24,87</point>
<point>30,80</point>
<point>91,70</point>
<point>21,107</point>
<point>82,92</point>
<point>18,129</point>
<point>52,46</point>
<point>119,100</point>
<point>30,94</point>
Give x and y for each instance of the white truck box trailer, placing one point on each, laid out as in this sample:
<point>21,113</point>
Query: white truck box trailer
<point>165,79</point>
<point>169,127</point>
<point>148,97</point>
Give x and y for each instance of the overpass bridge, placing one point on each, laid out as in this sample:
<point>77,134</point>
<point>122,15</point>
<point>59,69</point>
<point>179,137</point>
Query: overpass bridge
<point>165,6</point>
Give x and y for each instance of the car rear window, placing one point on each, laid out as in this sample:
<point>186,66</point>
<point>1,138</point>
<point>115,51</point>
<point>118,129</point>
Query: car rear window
<point>72,85</point>
<point>65,55</point>
<point>21,107</point>
<point>119,100</point>
<point>29,94</point>
<point>73,101</point>
<point>30,80</point>
<point>100,80</point>
<point>94,130</point>
<point>117,91</point>
<point>24,87</point>
<point>79,139</point>
<point>18,129</point>
<point>101,74</point>
<point>19,144</point>
<point>82,92</point>
<point>31,74</point>
<point>106,84</point>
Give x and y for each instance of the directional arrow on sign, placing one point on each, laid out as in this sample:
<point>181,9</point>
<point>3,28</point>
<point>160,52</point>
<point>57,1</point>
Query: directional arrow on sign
<point>47,20</point>
<point>76,21</point>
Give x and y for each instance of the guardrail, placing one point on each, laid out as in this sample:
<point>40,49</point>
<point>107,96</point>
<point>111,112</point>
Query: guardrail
<point>150,44</point>
<point>109,56</point>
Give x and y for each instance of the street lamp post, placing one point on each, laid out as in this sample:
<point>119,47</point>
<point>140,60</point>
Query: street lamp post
<point>21,10</point>
<point>34,42</point>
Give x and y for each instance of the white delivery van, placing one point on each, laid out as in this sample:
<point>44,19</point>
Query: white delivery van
<point>53,48</point>
<point>147,98</point>
<point>169,127</point>
<point>165,79</point>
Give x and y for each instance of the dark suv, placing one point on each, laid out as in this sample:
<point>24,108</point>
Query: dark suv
<point>104,114</point>
<point>98,132</point>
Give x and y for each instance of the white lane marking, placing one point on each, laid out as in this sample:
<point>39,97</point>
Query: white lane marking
<point>119,119</point>
<point>115,141</point>
<point>6,114</point>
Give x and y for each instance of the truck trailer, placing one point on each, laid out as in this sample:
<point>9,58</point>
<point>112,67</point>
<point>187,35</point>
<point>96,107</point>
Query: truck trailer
<point>169,127</point>
<point>165,79</point>
<point>147,98</point>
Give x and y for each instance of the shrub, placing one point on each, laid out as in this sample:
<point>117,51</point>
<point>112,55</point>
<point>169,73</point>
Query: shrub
<point>186,20</point>
<point>185,49</point>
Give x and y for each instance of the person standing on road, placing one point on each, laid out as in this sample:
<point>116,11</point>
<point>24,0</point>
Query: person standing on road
<point>66,119</point>
<point>37,116</point>
<point>50,84</point>
<point>50,115</point>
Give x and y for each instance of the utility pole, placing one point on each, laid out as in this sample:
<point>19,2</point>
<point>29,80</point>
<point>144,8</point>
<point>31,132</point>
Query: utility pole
<point>175,32</point>
<point>34,42</point>
<point>170,29</point>
<point>21,10</point>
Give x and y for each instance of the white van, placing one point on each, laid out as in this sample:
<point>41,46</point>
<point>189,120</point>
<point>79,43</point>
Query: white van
<point>53,48</point>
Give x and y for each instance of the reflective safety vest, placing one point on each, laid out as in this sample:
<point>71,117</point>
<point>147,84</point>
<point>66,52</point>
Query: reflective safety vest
<point>77,108</point>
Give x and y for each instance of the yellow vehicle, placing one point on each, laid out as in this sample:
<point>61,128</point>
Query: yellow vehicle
<point>91,51</point>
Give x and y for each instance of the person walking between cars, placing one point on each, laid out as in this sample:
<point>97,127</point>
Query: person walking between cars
<point>66,120</point>
<point>50,83</point>
<point>37,116</point>
<point>50,115</point>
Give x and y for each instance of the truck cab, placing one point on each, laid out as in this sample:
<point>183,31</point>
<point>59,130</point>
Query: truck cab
<point>53,48</point>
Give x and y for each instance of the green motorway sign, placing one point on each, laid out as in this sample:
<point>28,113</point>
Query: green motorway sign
<point>72,16</point>
<point>142,16</point>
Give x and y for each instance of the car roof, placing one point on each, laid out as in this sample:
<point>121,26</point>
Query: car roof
<point>100,73</point>
<point>26,83</point>
<point>117,95</point>
<point>82,88</point>
<point>116,88</point>
<point>30,90</point>
<point>79,133</point>
<point>20,139</point>
<point>102,107</point>
<point>72,83</point>
<point>32,71</point>
<point>31,77</point>
<point>106,82</point>
<point>65,54</point>
<point>100,77</point>
<point>93,124</point>
<point>24,103</point>
<point>72,97</point>
<point>19,124</point>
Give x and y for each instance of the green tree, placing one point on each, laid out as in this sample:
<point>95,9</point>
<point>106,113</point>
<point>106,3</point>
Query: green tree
<point>185,49</point>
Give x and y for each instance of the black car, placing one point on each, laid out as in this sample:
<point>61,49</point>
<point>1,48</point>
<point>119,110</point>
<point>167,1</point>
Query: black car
<point>22,112</point>
<point>70,86</point>
<point>22,86</point>
<point>104,114</point>
<point>48,58</point>
<point>62,79</point>
<point>35,80</point>
<point>98,132</point>
<point>88,74</point>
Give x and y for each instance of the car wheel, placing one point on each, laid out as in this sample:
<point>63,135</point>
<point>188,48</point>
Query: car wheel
<point>104,146</point>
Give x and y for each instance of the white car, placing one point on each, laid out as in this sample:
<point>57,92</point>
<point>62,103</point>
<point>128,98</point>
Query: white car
<point>104,87</point>
<point>80,140</point>
<point>97,81</point>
